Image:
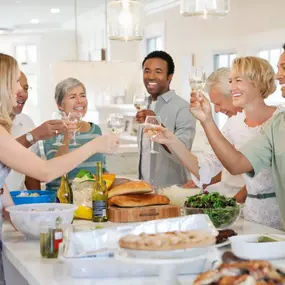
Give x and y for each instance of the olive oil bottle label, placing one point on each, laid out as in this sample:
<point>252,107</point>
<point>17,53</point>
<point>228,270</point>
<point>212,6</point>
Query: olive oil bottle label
<point>99,208</point>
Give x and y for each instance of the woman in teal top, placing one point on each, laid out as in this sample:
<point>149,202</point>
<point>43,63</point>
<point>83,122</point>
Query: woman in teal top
<point>70,97</point>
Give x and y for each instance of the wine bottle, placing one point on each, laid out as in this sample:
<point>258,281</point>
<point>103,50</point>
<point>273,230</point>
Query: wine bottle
<point>99,196</point>
<point>64,192</point>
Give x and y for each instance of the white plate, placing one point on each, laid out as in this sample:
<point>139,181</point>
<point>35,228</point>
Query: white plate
<point>167,254</point>
<point>222,244</point>
<point>247,247</point>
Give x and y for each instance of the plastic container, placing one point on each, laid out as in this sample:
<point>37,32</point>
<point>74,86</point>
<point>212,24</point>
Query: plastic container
<point>45,197</point>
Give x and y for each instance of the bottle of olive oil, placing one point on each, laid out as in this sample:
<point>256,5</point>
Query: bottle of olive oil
<point>64,192</point>
<point>99,196</point>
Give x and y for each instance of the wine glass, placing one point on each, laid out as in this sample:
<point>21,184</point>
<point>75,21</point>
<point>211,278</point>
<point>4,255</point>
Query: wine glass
<point>197,79</point>
<point>152,123</point>
<point>140,102</point>
<point>115,123</point>
<point>58,116</point>
<point>76,118</point>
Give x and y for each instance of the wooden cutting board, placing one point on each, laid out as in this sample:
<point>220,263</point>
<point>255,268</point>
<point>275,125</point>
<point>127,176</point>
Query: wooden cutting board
<point>142,214</point>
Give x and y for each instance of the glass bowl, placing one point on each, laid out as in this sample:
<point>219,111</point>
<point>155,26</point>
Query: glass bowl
<point>220,217</point>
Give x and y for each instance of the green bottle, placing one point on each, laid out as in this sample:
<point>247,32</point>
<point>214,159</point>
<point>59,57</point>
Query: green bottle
<point>99,196</point>
<point>64,192</point>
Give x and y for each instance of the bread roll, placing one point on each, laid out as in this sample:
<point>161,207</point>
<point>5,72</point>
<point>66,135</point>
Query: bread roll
<point>138,200</point>
<point>131,187</point>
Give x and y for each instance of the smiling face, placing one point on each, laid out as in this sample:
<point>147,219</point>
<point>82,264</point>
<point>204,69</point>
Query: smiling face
<point>223,103</point>
<point>155,77</point>
<point>75,101</point>
<point>281,73</point>
<point>243,90</point>
<point>16,88</point>
<point>22,95</point>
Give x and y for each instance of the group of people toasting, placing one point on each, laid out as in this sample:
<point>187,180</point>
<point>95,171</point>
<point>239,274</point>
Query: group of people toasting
<point>246,159</point>
<point>249,146</point>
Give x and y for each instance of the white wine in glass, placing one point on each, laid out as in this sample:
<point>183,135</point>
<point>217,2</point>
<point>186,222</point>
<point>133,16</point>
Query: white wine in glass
<point>140,102</point>
<point>151,124</point>
<point>197,79</point>
<point>115,123</point>
<point>76,118</point>
<point>58,116</point>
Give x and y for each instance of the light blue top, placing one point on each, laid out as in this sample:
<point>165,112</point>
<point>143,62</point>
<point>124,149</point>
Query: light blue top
<point>89,164</point>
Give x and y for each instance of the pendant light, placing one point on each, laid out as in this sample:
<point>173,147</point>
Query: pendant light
<point>204,7</point>
<point>125,20</point>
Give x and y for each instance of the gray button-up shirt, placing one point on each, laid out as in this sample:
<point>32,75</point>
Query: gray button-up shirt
<point>164,168</point>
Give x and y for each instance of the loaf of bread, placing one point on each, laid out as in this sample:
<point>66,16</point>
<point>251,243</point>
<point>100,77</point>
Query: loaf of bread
<point>134,200</point>
<point>131,187</point>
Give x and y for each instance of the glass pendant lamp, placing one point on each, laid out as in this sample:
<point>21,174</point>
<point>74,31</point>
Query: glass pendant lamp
<point>125,20</point>
<point>204,7</point>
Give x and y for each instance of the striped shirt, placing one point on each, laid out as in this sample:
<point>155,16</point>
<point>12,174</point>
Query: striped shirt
<point>89,164</point>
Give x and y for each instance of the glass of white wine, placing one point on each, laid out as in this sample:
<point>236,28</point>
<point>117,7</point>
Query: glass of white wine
<point>58,116</point>
<point>140,102</point>
<point>151,124</point>
<point>197,79</point>
<point>76,118</point>
<point>116,124</point>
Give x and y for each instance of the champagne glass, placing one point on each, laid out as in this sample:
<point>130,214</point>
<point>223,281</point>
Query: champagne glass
<point>197,79</point>
<point>58,116</point>
<point>76,118</point>
<point>152,123</point>
<point>140,102</point>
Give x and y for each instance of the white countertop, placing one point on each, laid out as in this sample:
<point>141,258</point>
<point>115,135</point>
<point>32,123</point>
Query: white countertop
<point>25,256</point>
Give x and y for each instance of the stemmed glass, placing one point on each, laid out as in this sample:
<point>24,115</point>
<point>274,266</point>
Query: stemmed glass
<point>115,124</point>
<point>140,102</point>
<point>76,118</point>
<point>151,124</point>
<point>58,116</point>
<point>197,78</point>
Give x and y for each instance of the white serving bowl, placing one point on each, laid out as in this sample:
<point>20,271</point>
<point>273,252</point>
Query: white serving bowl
<point>248,247</point>
<point>177,194</point>
<point>27,218</point>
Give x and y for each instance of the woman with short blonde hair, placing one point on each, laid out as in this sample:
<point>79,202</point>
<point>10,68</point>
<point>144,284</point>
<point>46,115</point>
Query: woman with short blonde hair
<point>251,80</point>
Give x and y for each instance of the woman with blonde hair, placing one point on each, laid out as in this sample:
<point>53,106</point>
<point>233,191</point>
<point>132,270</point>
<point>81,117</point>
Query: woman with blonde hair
<point>15,156</point>
<point>252,80</point>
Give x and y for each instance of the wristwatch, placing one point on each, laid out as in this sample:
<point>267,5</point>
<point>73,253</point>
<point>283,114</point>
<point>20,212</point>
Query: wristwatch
<point>30,138</point>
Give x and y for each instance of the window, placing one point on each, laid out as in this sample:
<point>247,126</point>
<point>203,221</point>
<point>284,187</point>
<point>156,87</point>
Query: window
<point>153,44</point>
<point>223,60</point>
<point>272,55</point>
<point>26,54</point>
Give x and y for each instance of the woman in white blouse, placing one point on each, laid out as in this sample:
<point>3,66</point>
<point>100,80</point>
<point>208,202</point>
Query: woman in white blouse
<point>218,88</point>
<point>252,80</point>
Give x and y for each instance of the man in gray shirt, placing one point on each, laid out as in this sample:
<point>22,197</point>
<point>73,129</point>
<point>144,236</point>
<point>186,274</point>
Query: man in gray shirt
<point>163,168</point>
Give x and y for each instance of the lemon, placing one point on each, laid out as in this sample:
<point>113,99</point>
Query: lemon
<point>83,212</point>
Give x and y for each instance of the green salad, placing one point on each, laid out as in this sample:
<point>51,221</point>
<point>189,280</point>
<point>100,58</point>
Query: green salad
<point>221,210</point>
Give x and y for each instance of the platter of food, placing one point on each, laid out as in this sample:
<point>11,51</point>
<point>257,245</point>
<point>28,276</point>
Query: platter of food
<point>168,245</point>
<point>234,271</point>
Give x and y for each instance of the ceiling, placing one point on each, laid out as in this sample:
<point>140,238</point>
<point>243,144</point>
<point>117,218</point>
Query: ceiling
<point>15,15</point>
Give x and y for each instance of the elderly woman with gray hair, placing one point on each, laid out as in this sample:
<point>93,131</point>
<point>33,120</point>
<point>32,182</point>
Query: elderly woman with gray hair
<point>70,97</point>
<point>217,86</point>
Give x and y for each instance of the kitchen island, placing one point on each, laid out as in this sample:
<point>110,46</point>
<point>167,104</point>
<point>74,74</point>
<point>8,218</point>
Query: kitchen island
<point>23,263</point>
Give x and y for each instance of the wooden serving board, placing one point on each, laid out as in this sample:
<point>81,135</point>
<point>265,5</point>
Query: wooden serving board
<point>142,214</point>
